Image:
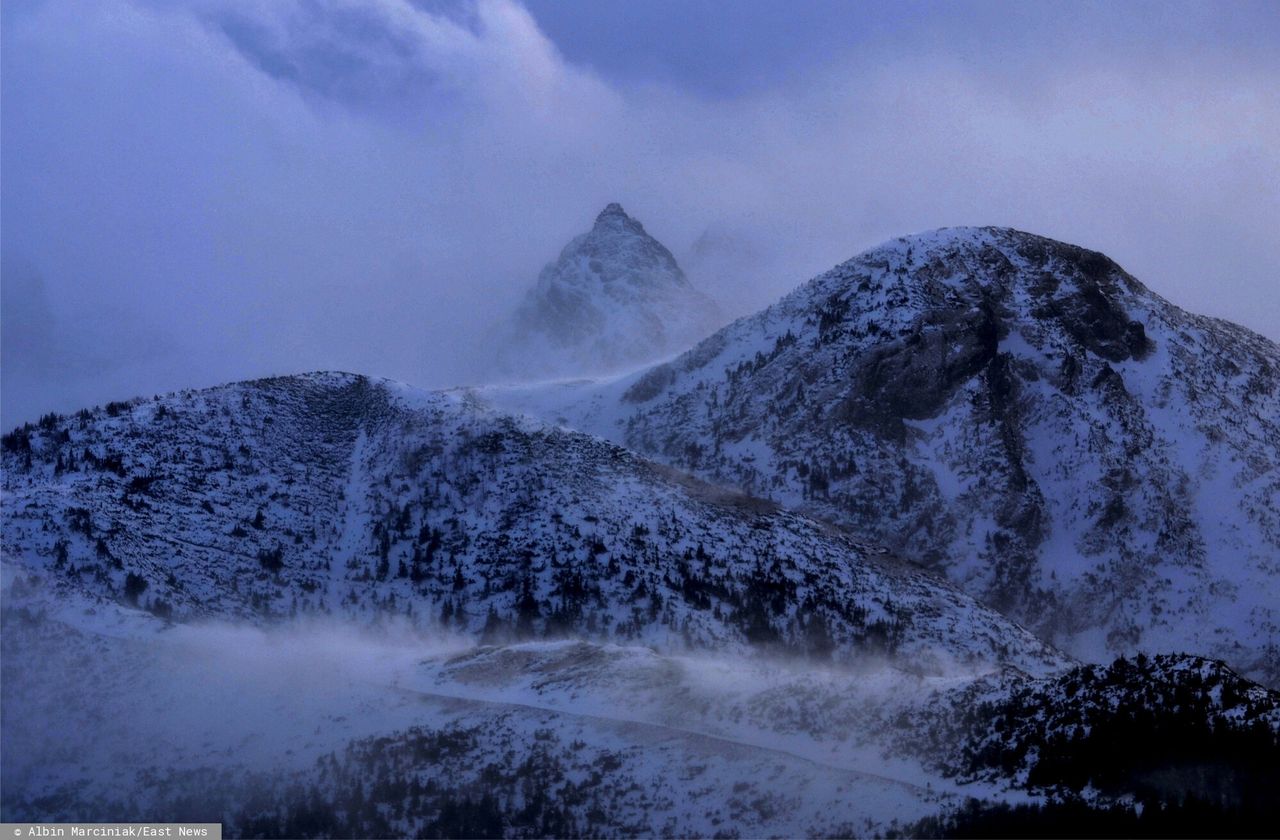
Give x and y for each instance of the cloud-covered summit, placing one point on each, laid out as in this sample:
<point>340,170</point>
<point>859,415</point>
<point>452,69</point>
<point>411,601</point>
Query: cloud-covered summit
<point>614,299</point>
<point>275,186</point>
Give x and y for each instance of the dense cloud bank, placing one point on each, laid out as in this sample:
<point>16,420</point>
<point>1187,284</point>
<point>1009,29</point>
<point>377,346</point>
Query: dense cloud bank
<point>203,191</point>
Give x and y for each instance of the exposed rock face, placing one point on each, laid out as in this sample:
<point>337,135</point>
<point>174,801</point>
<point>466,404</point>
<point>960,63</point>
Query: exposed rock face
<point>614,299</point>
<point>1016,411</point>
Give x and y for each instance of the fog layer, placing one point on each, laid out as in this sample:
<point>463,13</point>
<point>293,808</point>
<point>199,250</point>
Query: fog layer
<point>204,191</point>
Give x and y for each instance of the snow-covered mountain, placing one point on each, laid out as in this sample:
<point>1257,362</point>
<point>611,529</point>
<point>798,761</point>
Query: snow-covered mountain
<point>332,494</point>
<point>230,548</point>
<point>614,299</point>
<point>329,605</point>
<point>1017,412</point>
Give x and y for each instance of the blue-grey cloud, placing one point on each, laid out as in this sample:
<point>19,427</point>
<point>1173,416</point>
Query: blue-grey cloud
<point>720,52</point>
<point>275,186</point>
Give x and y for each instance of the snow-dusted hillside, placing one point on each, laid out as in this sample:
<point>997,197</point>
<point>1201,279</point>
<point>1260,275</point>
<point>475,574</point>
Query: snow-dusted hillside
<point>1017,412</point>
<point>315,729</point>
<point>328,605</point>
<point>613,300</point>
<point>237,725</point>
<point>332,494</point>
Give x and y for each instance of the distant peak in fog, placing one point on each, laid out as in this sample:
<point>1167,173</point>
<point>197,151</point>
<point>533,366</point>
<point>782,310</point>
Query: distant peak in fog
<point>613,213</point>
<point>614,298</point>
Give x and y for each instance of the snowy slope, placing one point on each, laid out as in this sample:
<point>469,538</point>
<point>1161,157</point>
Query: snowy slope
<point>322,729</point>
<point>219,719</point>
<point>332,494</point>
<point>326,604</point>
<point>1017,412</point>
<point>614,299</point>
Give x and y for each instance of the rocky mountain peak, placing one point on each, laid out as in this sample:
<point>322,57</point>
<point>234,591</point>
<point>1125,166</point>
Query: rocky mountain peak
<point>617,250</point>
<point>613,217</point>
<point>1012,279</point>
<point>614,298</point>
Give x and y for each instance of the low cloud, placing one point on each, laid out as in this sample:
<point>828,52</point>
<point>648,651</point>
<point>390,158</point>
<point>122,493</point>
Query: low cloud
<point>273,187</point>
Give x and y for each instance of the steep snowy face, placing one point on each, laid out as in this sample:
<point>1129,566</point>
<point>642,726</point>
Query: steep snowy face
<point>614,299</point>
<point>1016,411</point>
<point>337,495</point>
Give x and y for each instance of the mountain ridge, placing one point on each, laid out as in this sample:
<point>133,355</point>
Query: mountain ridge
<point>546,632</point>
<point>986,401</point>
<point>337,494</point>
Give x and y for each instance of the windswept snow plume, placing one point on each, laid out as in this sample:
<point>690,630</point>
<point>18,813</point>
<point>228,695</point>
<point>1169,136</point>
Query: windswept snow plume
<point>323,728</point>
<point>184,722</point>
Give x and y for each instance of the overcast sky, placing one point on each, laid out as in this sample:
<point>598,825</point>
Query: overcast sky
<point>199,192</point>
